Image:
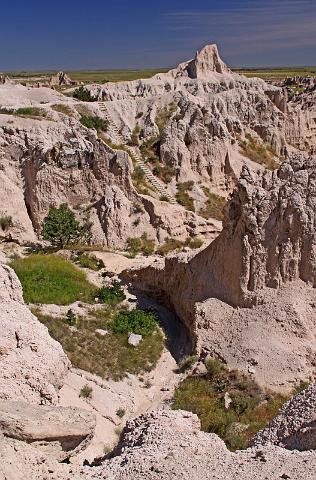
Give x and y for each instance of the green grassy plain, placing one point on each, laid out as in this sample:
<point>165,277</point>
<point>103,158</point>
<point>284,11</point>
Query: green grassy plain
<point>103,76</point>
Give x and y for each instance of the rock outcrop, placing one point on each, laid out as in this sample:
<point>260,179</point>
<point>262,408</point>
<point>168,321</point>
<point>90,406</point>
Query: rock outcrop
<point>294,427</point>
<point>33,365</point>
<point>255,281</point>
<point>58,432</point>
<point>61,79</point>
<point>168,445</point>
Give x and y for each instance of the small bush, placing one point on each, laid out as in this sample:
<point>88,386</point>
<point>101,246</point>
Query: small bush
<point>164,172</point>
<point>194,243</point>
<point>139,115</point>
<point>141,244</point>
<point>111,295</point>
<point>214,206</point>
<point>98,123</point>
<point>183,196</point>
<point>120,412</point>
<point>86,391</point>
<point>187,363</point>
<point>135,321</point>
<point>164,115</point>
<point>83,94</point>
<point>258,152</point>
<point>90,262</point>
<point>62,108</point>
<point>71,318</point>
<point>134,140</point>
<point>213,366</point>
<point>170,245</point>
<point>24,111</point>
<point>5,222</point>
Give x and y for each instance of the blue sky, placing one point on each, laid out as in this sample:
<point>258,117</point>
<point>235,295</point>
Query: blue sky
<point>101,34</point>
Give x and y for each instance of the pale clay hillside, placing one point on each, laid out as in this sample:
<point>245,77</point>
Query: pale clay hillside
<point>157,277</point>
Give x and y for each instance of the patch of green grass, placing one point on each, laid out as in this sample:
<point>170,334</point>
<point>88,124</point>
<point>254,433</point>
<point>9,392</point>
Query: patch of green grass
<point>52,279</point>
<point>142,244</point>
<point>183,197</point>
<point>25,111</point>
<point>109,355</point>
<point>258,152</point>
<point>98,123</point>
<point>251,408</point>
<point>163,116</point>
<point>86,261</point>
<point>214,206</point>
<point>62,108</point>
<point>139,181</point>
<point>173,244</point>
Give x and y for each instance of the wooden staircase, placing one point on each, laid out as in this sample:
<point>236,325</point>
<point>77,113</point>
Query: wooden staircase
<point>135,155</point>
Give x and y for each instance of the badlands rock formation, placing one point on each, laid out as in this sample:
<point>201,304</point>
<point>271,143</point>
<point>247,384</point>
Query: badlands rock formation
<point>195,117</point>
<point>294,427</point>
<point>48,160</point>
<point>170,445</point>
<point>33,365</point>
<point>263,261</point>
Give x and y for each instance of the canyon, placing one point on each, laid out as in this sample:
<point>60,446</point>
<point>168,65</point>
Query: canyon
<point>197,154</point>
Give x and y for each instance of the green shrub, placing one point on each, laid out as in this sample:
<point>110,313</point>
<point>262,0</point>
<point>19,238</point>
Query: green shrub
<point>183,196</point>
<point>213,366</point>
<point>5,222</point>
<point>258,152</point>
<point>194,243</point>
<point>86,391</point>
<point>31,111</point>
<point>214,206</point>
<point>164,172</point>
<point>170,245</point>
<point>24,111</point>
<point>134,140</point>
<point>141,244</point>
<point>120,412</point>
<point>251,408</point>
<point>90,262</point>
<point>98,123</point>
<point>62,108</point>
<point>61,227</point>
<point>164,115</point>
<point>52,279</point>
<point>71,318</point>
<point>111,295</point>
<point>187,363</point>
<point>135,321</point>
<point>83,94</point>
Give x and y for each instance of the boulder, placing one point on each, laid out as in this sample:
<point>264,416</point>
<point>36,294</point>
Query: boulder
<point>134,339</point>
<point>59,432</point>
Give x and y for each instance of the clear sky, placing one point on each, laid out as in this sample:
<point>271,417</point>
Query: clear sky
<point>102,34</point>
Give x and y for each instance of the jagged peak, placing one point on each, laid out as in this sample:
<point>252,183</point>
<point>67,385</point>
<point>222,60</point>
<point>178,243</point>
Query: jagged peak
<point>205,63</point>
